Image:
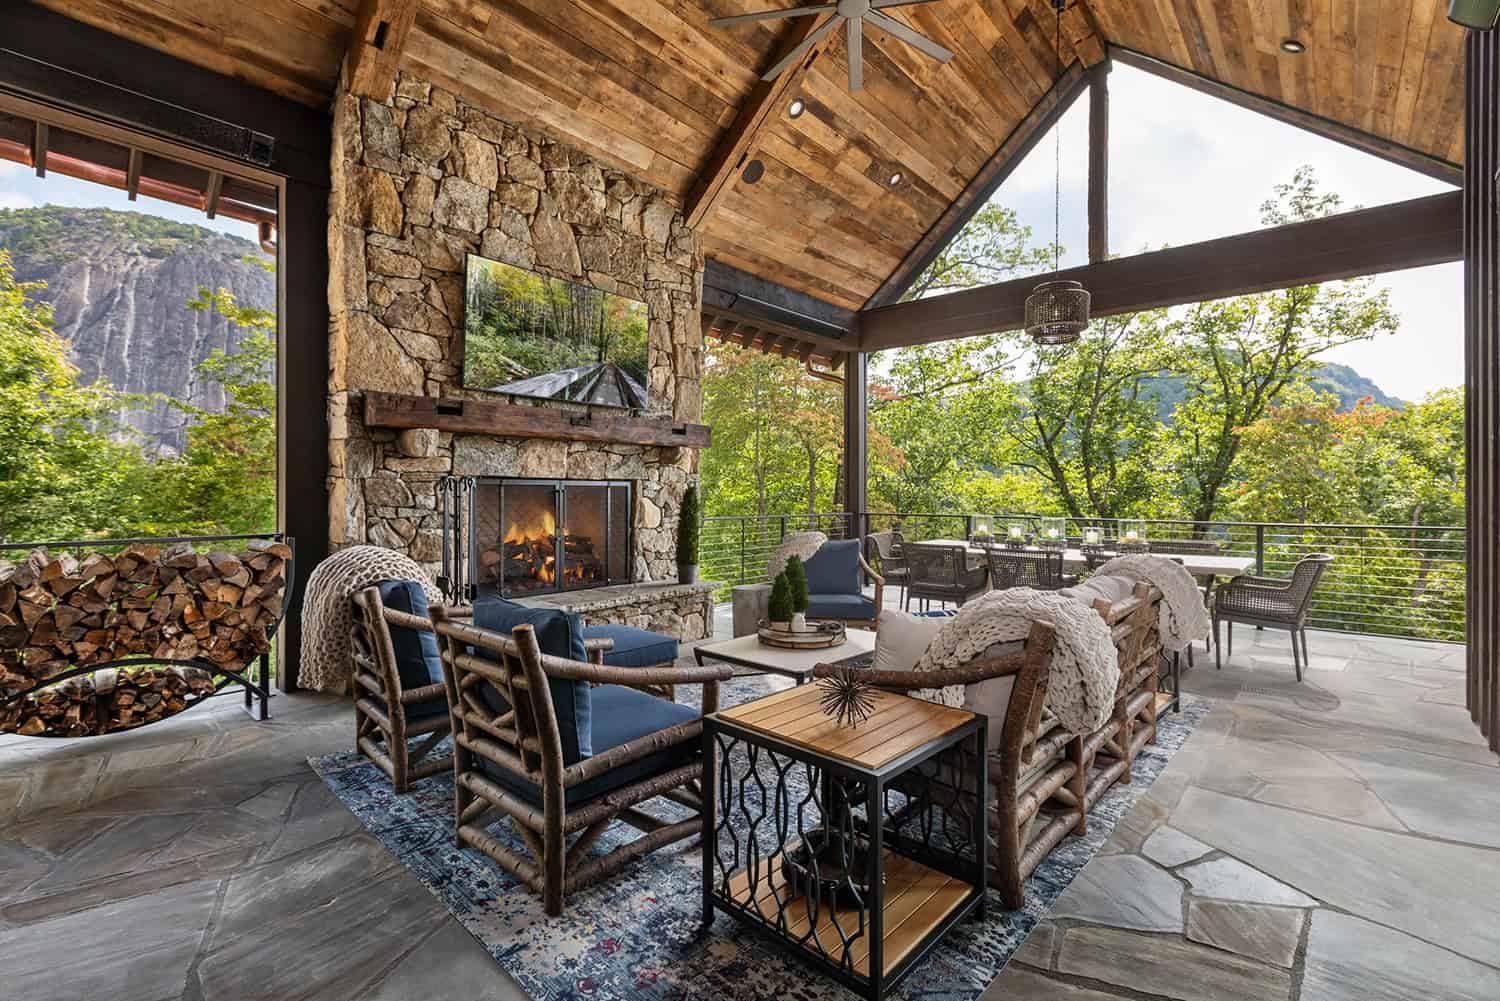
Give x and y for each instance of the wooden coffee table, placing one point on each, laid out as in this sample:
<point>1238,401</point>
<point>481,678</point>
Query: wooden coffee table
<point>782,772</point>
<point>749,651</point>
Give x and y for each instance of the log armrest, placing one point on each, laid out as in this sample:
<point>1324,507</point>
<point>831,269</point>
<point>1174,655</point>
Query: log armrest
<point>601,674</point>
<point>909,681</point>
<point>879,585</point>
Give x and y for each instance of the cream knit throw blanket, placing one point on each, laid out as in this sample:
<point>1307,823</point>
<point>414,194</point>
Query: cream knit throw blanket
<point>328,615</point>
<point>1182,619</point>
<point>1085,670</point>
<point>798,544</point>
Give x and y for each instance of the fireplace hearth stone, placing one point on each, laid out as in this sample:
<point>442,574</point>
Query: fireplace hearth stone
<point>685,611</point>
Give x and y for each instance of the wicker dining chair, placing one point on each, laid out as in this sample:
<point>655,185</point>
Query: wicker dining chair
<point>399,694</point>
<point>1270,603</point>
<point>564,748</point>
<point>942,573</point>
<point>887,550</point>
<point>1018,568</point>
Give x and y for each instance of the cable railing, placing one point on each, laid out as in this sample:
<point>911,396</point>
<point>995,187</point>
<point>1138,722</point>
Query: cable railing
<point>1386,580</point>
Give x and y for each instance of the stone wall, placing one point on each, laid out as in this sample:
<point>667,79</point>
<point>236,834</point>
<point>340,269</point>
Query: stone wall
<point>422,180</point>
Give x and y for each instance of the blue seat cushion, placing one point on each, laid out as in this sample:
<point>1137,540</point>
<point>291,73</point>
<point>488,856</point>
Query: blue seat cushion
<point>425,709</point>
<point>834,568</point>
<point>417,661</point>
<point>558,634</point>
<point>620,714</point>
<point>634,647</point>
<point>840,606</point>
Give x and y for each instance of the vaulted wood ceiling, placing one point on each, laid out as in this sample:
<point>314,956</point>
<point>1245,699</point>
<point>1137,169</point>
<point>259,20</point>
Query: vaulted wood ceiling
<point>647,84</point>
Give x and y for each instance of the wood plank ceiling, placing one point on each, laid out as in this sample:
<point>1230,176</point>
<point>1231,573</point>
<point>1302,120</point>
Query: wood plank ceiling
<point>648,85</point>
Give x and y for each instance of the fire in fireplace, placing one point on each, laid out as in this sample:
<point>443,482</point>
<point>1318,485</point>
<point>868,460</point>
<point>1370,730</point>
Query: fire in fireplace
<point>536,536</point>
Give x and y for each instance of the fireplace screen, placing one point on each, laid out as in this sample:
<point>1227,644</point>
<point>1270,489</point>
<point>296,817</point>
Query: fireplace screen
<point>536,536</point>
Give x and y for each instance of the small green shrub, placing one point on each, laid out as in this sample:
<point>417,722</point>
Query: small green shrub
<point>796,578</point>
<point>780,608</point>
<point>688,520</point>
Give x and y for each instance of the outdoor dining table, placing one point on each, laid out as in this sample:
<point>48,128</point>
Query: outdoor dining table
<point>1197,564</point>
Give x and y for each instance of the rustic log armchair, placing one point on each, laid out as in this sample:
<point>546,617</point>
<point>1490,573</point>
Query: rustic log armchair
<point>836,576</point>
<point>1271,603</point>
<point>399,694</point>
<point>1037,772</point>
<point>562,747</point>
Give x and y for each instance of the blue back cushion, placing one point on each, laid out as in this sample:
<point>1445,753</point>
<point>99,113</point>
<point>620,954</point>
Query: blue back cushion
<point>417,660</point>
<point>834,568</point>
<point>558,634</point>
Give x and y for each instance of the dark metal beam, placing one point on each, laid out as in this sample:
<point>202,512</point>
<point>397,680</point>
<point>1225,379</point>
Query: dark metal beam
<point>1386,149</point>
<point>39,148</point>
<point>1099,162</point>
<point>1408,234</point>
<point>1022,139</point>
<point>729,289</point>
<point>856,440</point>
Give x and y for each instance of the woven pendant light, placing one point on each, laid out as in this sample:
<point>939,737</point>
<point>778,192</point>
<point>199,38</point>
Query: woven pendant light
<point>1057,311</point>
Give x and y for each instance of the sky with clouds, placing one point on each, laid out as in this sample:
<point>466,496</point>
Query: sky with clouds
<point>1185,167</point>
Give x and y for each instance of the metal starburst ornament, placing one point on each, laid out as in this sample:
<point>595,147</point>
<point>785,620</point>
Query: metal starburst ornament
<point>847,696</point>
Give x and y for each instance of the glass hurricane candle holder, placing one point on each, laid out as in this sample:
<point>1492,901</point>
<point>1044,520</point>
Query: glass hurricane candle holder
<point>1133,536</point>
<point>1054,531</point>
<point>1092,537</point>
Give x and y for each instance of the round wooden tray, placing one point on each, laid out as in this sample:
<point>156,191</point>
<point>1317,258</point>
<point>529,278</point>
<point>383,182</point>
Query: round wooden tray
<point>818,636</point>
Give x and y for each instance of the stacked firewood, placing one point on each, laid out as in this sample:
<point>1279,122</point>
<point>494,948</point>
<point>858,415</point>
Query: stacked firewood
<point>58,613</point>
<point>106,701</point>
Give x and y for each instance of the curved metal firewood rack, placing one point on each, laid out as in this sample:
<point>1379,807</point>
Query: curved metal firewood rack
<point>257,692</point>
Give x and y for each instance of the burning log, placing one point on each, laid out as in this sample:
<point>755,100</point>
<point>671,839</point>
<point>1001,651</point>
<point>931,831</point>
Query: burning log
<point>58,613</point>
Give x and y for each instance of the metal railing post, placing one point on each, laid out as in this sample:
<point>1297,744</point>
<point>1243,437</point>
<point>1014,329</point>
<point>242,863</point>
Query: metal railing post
<point>740,578</point>
<point>1260,550</point>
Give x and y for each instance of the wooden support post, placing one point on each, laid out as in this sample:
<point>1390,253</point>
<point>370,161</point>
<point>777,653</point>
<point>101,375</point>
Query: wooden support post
<point>133,175</point>
<point>211,195</point>
<point>39,148</point>
<point>1099,162</point>
<point>856,441</point>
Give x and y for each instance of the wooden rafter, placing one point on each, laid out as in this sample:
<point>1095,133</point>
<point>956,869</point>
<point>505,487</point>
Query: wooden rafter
<point>1012,151</point>
<point>760,107</point>
<point>379,35</point>
<point>1409,234</point>
<point>1386,149</point>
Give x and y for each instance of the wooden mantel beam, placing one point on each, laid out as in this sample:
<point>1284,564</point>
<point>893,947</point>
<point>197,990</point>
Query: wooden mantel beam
<point>1409,234</point>
<point>379,35</point>
<point>758,112</point>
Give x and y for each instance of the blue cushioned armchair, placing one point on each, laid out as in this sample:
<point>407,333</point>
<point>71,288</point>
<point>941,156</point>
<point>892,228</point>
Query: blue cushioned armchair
<point>398,683</point>
<point>562,746</point>
<point>836,576</point>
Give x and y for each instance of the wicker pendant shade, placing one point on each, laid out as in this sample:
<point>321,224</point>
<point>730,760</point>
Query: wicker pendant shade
<point>1057,312</point>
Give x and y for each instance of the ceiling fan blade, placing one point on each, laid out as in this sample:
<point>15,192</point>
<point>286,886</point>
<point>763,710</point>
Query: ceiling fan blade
<point>772,15</point>
<point>910,37</point>
<point>791,57</point>
<point>856,54</point>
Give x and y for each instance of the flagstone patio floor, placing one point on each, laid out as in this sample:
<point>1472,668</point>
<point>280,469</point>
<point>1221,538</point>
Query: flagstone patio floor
<point>1337,839</point>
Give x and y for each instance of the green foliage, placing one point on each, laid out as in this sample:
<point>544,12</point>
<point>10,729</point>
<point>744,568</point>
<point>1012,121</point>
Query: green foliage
<point>689,520</point>
<point>780,608</point>
<point>55,232</point>
<point>796,578</point>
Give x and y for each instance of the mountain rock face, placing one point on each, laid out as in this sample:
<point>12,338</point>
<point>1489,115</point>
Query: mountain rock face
<point>119,284</point>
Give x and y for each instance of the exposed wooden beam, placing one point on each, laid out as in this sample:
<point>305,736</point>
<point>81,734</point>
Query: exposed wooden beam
<point>1407,234</point>
<point>1424,163</point>
<point>133,175</point>
<point>1012,151</point>
<point>39,148</point>
<point>1099,162</point>
<point>764,102</point>
<point>212,192</point>
<point>380,32</point>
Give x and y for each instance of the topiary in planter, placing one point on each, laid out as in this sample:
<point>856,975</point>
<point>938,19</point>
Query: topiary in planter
<point>779,609</point>
<point>796,578</point>
<point>688,520</point>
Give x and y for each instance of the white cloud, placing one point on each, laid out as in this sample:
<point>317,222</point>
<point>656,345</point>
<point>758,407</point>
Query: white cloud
<point>15,200</point>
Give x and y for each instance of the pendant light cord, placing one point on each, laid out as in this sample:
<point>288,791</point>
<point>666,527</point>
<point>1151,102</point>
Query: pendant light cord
<point>1057,148</point>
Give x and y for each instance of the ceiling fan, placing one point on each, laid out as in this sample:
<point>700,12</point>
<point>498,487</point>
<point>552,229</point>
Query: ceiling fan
<point>853,13</point>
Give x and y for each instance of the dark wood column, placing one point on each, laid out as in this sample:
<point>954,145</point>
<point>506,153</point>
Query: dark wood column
<point>856,440</point>
<point>1099,162</point>
<point>1482,377</point>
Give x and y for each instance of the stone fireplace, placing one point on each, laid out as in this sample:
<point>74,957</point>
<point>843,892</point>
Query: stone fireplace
<point>420,181</point>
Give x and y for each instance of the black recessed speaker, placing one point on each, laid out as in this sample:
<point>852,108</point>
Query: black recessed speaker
<point>1481,15</point>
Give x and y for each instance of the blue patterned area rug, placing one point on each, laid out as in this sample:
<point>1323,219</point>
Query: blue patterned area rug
<point>638,935</point>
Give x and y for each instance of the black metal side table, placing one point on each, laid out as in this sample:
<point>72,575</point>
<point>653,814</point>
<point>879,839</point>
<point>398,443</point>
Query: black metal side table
<point>856,847</point>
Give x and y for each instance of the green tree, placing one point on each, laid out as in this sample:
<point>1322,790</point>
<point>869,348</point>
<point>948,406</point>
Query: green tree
<point>992,247</point>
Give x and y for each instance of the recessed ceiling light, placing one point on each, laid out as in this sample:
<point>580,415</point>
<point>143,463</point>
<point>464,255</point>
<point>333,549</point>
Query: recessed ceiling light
<point>894,179</point>
<point>796,108</point>
<point>754,170</point>
<point>1293,46</point>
